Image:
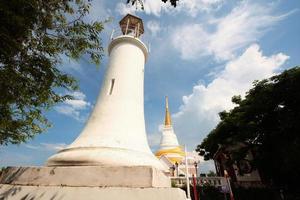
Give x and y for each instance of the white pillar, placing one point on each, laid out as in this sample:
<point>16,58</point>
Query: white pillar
<point>115,133</point>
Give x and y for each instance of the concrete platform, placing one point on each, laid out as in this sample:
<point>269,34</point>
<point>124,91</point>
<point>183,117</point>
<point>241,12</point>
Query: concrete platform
<point>83,176</point>
<point>86,183</point>
<point>11,192</point>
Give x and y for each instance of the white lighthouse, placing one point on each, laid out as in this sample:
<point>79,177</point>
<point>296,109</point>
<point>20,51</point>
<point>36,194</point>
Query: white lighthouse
<point>114,134</point>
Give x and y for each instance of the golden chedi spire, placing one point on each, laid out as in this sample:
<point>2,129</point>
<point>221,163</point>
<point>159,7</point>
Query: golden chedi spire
<point>168,116</point>
<point>169,147</point>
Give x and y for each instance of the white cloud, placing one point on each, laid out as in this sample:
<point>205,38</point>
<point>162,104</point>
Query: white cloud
<point>73,107</point>
<point>98,11</point>
<point>123,8</point>
<point>78,95</point>
<point>191,40</point>
<point>29,146</point>
<point>79,102</point>
<point>69,111</point>
<point>193,7</point>
<point>244,25</point>
<point>153,26</point>
<point>53,146</point>
<point>156,7</point>
<point>199,112</point>
<point>154,140</point>
<point>151,7</point>
<point>47,146</point>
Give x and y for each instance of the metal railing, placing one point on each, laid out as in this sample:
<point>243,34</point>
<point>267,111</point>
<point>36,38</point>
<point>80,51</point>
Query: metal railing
<point>201,181</point>
<point>117,32</point>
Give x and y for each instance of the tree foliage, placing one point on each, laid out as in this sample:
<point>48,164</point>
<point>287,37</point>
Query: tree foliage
<point>211,173</point>
<point>33,36</point>
<point>266,121</point>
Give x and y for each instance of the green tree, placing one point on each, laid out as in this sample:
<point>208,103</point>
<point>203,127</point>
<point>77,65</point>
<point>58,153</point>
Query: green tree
<point>266,122</point>
<point>33,36</point>
<point>211,173</point>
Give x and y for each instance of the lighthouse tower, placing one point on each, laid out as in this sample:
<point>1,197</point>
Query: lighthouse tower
<point>114,134</point>
<point>169,146</point>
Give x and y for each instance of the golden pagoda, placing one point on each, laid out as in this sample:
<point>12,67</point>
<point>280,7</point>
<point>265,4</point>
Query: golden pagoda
<point>169,146</point>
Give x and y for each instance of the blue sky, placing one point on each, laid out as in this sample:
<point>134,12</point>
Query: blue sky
<point>202,53</point>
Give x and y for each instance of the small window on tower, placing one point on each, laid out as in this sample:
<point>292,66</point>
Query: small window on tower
<point>112,83</point>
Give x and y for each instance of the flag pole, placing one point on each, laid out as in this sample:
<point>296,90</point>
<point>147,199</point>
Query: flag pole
<point>195,187</point>
<point>187,175</point>
<point>228,184</point>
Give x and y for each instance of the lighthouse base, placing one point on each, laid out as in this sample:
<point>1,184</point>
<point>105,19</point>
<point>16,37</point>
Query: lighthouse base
<point>104,156</point>
<point>86,182</point>
<point>94,176</point>
<point>15,192</point>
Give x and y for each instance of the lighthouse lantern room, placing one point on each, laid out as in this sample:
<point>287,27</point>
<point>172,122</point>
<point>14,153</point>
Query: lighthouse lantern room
<point>132,25</point>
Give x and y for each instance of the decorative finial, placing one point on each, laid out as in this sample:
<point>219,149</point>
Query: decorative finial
<point>168,116</point>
